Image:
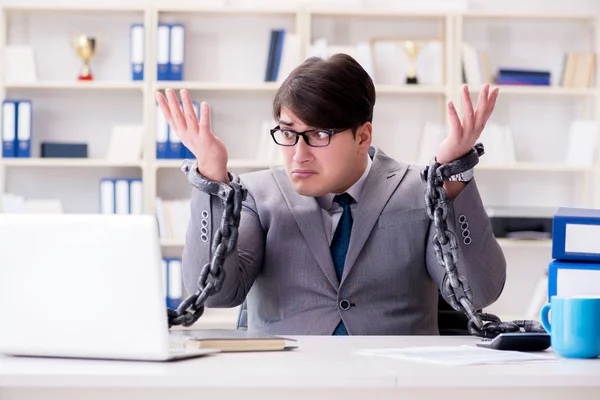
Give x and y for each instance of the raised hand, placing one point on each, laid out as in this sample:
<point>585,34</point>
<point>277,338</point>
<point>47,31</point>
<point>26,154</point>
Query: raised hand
<point>464,134</point>
<point>208,149</point>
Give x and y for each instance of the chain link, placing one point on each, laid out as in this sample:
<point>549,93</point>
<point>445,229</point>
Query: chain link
<point>212,274</point>
<point>455,288</point>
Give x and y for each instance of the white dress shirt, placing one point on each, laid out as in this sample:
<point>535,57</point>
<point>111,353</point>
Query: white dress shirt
<point>332,212</point>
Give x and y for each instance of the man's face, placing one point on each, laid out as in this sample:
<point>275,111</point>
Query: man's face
<point>315,171</point>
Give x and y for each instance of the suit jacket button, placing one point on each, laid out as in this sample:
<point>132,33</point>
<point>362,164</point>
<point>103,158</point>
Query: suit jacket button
<point>345,305</point>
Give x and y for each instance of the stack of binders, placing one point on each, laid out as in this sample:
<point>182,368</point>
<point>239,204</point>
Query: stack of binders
<point>121,196</point>
<point>575,268</point>
<point>170,52</point>
<point>172,281</point>
<point>16,128</point>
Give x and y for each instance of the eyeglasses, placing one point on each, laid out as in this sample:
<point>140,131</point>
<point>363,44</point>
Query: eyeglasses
<point>312,137</point>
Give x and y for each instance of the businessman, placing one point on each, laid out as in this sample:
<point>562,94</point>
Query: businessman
<point>337,241</point>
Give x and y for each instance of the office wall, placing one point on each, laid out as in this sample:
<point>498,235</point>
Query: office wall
<point>575,6</point>
<point>526,265</point>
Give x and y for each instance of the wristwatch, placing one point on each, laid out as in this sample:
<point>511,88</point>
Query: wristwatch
<point>462,176</point>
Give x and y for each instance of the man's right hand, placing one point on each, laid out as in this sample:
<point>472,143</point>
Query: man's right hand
<point>209,150</point>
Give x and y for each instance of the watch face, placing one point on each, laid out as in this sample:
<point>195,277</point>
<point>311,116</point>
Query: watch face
<point>462,176</point>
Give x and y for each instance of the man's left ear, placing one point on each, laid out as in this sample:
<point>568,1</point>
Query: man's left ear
<point>365,135</point>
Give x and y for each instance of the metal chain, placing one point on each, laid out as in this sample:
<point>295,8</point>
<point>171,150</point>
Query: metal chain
<point>455,288</point>
<point>212,274</point>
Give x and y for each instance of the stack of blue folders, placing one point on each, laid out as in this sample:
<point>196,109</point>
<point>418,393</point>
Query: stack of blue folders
<point>170,51</point>
<point>16,129</point>
<point>575,268</point>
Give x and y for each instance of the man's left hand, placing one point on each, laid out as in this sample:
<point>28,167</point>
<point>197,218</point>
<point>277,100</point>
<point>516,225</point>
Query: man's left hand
<point>464,134</point>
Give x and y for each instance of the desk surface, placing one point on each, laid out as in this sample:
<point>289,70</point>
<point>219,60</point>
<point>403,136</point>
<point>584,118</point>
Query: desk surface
<point>318,363</point>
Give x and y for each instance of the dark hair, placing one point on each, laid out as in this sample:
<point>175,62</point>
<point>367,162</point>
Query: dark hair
<point>328,93</point>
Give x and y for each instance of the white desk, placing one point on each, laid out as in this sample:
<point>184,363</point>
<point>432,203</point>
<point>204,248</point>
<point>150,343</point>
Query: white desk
<point>321,368</point>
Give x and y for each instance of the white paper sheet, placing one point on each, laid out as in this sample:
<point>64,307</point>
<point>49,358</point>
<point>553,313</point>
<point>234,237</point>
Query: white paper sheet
<point>457,355</point>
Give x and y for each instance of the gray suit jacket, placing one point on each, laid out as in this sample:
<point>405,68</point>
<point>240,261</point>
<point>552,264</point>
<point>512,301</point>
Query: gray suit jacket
<point>391,277</point>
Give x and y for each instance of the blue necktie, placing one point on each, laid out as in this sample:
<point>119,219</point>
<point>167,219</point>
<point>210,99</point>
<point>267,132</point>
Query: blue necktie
<point>340,242</point>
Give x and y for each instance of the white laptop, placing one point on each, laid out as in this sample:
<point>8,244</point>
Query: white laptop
<point>83,286</point>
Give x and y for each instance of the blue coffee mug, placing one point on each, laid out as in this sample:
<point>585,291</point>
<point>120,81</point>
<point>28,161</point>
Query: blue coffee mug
<point>575,328</point>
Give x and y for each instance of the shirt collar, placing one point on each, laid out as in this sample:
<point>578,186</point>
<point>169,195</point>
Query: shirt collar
<point>326,201</point>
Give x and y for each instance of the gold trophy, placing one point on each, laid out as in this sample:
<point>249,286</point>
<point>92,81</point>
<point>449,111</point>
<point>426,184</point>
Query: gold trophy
<point>411,48</point>
<point>86,48</point>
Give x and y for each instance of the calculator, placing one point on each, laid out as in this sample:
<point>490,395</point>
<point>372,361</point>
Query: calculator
<point>518,341</point>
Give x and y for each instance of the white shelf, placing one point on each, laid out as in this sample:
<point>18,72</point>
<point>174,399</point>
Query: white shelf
<point>525,243</point>
<point>65,162</point>
<point>259,10</point>
<point>74,7</point>
<point>541,90</point>
<point>273,86</point>
<point>534,167</point>
<point>219,86</point>
<point>236,163</point>
<point>410,89</point>
<point>373,12</point>
<point>76,85</point>
<point>536,16</point>
<point>161,163</point>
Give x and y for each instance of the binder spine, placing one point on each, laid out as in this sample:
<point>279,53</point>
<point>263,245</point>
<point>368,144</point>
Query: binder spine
<point>24,122</point>
<point>271,56</point>
<point>174,283</point>
<point>278,53</point>
<point>107,198</point>
<point>122,196</point>
<point>9,128</point>
<point>163,61</point>
<point>162,135</point>
<point>175,147</point>
<point>137,52</point>
<point>177,52</point>
<point>136,202</point>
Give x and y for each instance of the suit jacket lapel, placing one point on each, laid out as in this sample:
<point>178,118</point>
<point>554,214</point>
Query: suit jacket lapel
<point>382,181</point>
<point>307,213</point>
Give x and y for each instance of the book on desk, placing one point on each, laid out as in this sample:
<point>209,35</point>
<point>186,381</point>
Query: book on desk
<point>228,340</point>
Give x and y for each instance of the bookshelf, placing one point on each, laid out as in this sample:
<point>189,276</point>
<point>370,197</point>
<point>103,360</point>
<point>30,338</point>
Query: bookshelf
<point>401,109</point>
<point>235,41</point>
<point>77,86</point>
<point>220,86</point>
<point>538,116</point>
<point>550,91</point>
<point>66,163</point>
